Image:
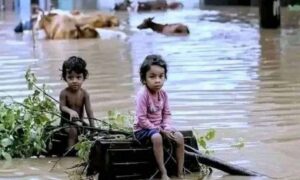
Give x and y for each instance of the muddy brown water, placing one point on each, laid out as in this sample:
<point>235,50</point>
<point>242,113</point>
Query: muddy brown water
<point>228,75</point>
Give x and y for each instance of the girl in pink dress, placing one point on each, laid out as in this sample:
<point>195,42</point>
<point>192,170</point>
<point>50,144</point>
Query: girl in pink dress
<point>153,116</point>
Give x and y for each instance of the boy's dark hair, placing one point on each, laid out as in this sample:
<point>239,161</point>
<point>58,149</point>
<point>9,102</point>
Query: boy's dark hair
<point>150,60</point>
<point>76,64</point>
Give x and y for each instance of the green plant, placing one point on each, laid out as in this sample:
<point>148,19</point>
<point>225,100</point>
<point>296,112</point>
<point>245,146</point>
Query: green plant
<point>83,147</point>
<point>116,121</point>
<point>119,120</point>
<point>239,144</point>
<point>202,140</point>
<point>23,125</point>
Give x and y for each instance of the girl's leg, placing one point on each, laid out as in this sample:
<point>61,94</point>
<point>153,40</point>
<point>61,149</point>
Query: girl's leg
<point>158,150</point>
<point>179,153</point>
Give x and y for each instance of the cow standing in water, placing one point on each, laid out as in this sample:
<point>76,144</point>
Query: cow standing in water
<point>61,26</point>
<point>175,5</point>
<point>152,5</point>
<point>158,5</point>
<point>177,28</point>
<point>147,5</point>
<point>97,20</point>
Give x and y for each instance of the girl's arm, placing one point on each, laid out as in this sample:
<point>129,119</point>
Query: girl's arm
<point>63,106</point>
<point>166,114</point>
<point>88,109</point>
<point>141,112</point>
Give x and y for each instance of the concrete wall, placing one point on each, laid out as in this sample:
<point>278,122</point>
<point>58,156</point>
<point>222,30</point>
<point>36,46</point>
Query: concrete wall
<point>25,10</point>
<point>7,5</point>
<point>77,4</point>
<point>86,4</point>
<point>65,4</point>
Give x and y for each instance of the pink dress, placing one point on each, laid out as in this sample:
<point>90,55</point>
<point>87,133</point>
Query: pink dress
<point>152,111</point>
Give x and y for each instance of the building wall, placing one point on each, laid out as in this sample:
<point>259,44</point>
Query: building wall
<point>6,5</point>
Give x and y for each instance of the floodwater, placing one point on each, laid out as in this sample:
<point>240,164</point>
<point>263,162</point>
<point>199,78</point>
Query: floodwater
<point>227,75</point>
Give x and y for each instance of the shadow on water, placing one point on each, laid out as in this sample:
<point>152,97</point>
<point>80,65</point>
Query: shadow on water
<point>227,74</point>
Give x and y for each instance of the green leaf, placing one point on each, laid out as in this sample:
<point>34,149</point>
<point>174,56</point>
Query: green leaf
<point>6,142</point>
<point>6,156</point>
<point>2,127</point>
<point>30,78</point>
<point>36,93</point>
<point>239,144</point>
<point>203,140</point>
<point>202,143</point>
<point>210,134</point>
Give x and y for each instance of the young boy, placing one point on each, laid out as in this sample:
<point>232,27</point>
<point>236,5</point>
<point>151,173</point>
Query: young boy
<point>73,99</point>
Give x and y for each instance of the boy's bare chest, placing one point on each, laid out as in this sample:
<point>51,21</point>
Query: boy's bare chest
<point>75,100</point>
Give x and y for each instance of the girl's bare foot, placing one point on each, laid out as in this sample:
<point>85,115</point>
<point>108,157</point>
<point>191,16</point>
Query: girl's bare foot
<point>165,177</point>
<point>180,176</point>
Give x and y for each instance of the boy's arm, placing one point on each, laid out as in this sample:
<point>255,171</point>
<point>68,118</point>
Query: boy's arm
<point>63,105</point>
<point>88,109</point>
<point>141,112</point>
<point>166,114</point>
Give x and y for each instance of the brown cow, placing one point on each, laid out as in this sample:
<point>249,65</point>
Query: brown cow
<point>148,5</point>
<point>87,31</point>
<point>98,20</point>
<point>158,5</point>
<point>95,20</point>
<point>60,26</point>
<point>176,28</point>
<point>152,5</point>
<point>175,5</point>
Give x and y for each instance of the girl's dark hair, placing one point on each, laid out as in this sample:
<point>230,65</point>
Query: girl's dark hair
<point>76,64</point>
<point>149,61</point>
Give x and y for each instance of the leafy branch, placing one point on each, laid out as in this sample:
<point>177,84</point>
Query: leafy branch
<point>203,140</point>
<point>23,125</point>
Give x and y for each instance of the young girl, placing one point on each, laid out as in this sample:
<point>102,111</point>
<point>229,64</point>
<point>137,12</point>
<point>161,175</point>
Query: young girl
<point>152,121</point>
<point>74,99</point>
